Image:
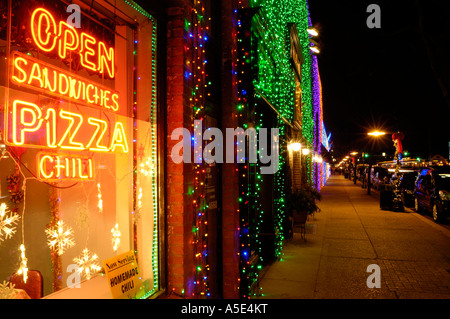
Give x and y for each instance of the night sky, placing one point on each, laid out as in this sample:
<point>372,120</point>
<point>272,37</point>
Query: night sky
<point>382,78</point>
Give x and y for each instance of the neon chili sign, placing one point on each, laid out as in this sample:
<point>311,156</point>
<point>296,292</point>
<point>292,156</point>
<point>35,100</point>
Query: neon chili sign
<point>56,167</point>
<point>62,38</point>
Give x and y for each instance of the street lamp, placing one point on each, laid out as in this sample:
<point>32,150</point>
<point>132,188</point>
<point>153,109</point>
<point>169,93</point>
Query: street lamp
<point>315,50</point>
<point>313,32</point>
<point>317,159</point>
<point>354,155</point>
<point>376,133</point>
<point>315,47</point>
<point>295,146</point>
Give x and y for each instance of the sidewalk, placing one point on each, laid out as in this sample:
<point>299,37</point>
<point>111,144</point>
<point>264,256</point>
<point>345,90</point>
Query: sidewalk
<point>348,235</point>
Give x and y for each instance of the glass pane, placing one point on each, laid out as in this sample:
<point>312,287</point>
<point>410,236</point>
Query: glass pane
<point>78,167</point>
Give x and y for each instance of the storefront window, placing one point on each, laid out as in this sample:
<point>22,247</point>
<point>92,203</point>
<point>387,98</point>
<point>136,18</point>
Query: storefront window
<point>78,167</point>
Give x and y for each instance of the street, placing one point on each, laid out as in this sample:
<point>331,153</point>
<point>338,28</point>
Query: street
<point>351,233</point>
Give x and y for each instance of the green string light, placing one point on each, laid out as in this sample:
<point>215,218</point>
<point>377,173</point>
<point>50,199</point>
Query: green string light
<point>153,120</point>
<point>267,59</point>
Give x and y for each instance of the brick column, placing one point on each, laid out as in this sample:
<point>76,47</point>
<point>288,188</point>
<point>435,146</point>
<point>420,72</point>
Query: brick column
<point>180,263</point>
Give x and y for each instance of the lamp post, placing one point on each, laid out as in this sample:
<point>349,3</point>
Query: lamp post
<point>353,155</point>
<point>397,138</point>
<point>375,134</point>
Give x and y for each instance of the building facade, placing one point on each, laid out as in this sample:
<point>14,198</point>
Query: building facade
<point>166,134</point>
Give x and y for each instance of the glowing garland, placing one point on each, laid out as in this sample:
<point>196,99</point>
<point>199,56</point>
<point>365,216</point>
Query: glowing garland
<point>147,169</point>
<point>317,116</point>
<point>197,32</point>
<point>276,15</point>
<point>100,200</point>
<point>244,87</point>
<point>316,98</point>
<point>56,269</point>
<point>275,79</point>
<point>155,249</point>
<point>251,214</point>
<point>277,83</point>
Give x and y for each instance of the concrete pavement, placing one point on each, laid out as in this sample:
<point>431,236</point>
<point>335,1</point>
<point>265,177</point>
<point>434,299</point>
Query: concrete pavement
<point>351,233</point>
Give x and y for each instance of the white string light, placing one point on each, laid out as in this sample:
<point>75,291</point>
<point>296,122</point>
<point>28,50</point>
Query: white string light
<point>115,237</point>
<point>100,200</point>
<point>23,269</point>
<point>140,195</point>
<point>147,168</point>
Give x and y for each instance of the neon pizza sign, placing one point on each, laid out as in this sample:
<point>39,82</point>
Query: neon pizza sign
<point>63,129</point>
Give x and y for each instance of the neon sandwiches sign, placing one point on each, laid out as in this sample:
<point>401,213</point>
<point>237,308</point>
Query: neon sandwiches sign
<point>55,128</point>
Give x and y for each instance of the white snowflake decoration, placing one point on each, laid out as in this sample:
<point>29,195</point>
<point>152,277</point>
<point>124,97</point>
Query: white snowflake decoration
<point>7,291</point>
<point>115,237</point>
<point>60,237</point>
<point>87,263</point>
<point>7,222</point>
<point>147,168</point>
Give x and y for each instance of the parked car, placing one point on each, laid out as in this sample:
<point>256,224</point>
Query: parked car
<point>381,177</point>
<point>432,191</point>
<point>361,171</point>
<point>373,175</point>
<point>407,181</point>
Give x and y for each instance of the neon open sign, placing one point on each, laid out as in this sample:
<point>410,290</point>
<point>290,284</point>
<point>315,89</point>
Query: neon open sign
<point>50,36</point>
